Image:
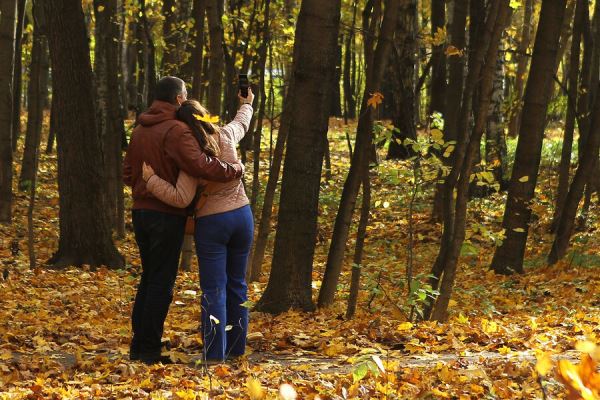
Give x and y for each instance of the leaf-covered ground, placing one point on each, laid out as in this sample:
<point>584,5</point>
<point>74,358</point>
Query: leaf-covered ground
<point>65,334</point>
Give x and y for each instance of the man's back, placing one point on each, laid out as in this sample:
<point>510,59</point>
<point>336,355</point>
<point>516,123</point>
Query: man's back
<point>167,145</point>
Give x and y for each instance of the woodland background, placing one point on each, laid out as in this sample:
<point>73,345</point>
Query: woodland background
<point>423,174</point>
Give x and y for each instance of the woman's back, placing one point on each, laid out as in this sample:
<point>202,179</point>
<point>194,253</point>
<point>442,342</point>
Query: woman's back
<point>215,197</point>
<point>221,197</point>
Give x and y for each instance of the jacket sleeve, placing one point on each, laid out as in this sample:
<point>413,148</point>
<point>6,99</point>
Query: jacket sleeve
<point>127,171</point>
<point>179,196</point>
<point>181,146</point>
<point>237,128</point>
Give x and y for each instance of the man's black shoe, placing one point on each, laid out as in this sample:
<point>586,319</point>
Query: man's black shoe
<point>134,355</point>
<point>155,360</point>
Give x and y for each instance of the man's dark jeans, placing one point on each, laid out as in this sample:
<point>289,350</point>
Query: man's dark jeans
<point>159,237</point>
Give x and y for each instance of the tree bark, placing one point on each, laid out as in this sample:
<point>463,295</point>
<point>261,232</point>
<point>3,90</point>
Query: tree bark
<point>495,142</point>
<point>110,108</point>
<point>336,97</point>
<point>404,77</point>
<point>18,74</point>
<point>264,227</point>
<point>588,162</point>
<point>522,62</point>
<point>8,16</point>
<point>358,249</point>
<point>438,60</point>
<point>84,226</point>
<point>508,258</point>
<point>52,130</point>
<point>262,70</point>
<point>214,13</point>
<point>482,69</point>
<point>360,159</point>
<point>456,72</point>
<point>573,90</point>
<point>198,12</point>
<point>149,53</point>
<point>37,92</point>
<point>349,56</point>
<point>314,65</point>
<point>171,34</point>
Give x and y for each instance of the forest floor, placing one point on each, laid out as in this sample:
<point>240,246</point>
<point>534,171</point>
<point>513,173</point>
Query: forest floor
<point>65,334</point>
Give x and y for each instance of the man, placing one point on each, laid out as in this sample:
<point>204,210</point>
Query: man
<point>168,146</point>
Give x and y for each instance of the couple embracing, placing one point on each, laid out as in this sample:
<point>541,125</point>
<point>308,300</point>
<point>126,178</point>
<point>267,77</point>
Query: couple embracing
<point>179,163</point>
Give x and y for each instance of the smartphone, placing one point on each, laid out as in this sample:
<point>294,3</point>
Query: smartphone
<point>243,84</point>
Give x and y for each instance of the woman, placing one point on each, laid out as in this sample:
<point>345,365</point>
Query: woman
<point>223,232</point>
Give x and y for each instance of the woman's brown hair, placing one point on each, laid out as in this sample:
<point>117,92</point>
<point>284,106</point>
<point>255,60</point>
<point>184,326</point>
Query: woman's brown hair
<point>203,131</point>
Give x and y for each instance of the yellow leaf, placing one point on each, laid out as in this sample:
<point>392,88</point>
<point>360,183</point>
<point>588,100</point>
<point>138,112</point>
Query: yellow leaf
<point>504,350</point>
<point>438,393</point>
<point>533,324</point>
<point>514,4</point>
<point>520,230</point>
<point>405,326</point>
<point>462,319</point>
<point>453,51</point>
<point>489,326</point>
<point>212,119</point>
<point>437,135</point>
<point>100,8</point>
<point>524,179</point>
<point>255,390</point>
<point>334,349</point>
<point>375,100</point>
<point>448,151</point>
<point>543,364</point>
<point>477,389</point>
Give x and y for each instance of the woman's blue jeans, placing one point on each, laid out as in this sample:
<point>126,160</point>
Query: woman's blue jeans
<point>223,243</point>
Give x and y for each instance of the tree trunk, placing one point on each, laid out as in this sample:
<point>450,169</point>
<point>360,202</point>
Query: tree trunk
<point>360,158</point>
<point>349,61</point>
<point>358,249</point>
<point>131,72</point>
<point>187,252</point>
<point>582,176</point>
<point>18,74</point>
<point>262,70</point>
<point>336,96</point>
<point>149,64</point>
<point>52,130</point>
<point>438,60</point>
<point>37,92</point>
<point>573,90</point>
<point>198,12</point>
<point>508,258</point>
<point>456,72</point>
<point>8,16</point>
<point>404,77</point>
<point>482,67</point>
<point>495,142</point>
<point>522,62</point>
<point>109,102</point>
<point>84,226</point>
<point>172,35</point>
<point>142,69</point>
<point>264,227</point>
<point>214,13</point>
<point>314,65</point>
